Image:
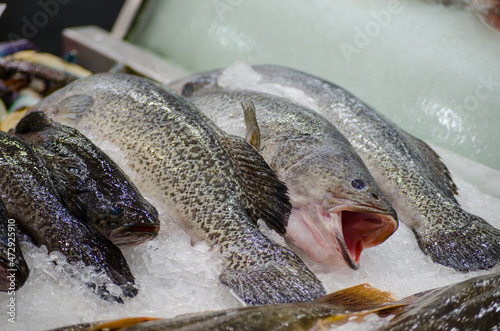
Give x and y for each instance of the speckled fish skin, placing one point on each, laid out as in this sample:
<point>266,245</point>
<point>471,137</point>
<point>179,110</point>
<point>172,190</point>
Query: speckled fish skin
<point>408,171</point>
<point>338,208</point>
<point>111,203</point>
<point>184,164</point>
<point>13,267</point>
<point>472,305</point>
<point>31,197</point>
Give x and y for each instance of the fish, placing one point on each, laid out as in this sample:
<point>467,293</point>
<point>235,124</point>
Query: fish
<point>337,208</point>
<point>472,304</point>
<point>111,203</point>
<point>30,186</point>
<point>215,186</point>
<point>410,174</point>
<point>14,270</point>
<point>333,309</point>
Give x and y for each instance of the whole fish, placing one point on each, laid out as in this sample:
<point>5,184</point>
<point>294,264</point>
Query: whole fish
<point>336,308</point>
<point>215,185</point>
<point>30,187</point>
<point>407,170</point>
<point>110,203</point>
<point>14,270</point>
<point>338,209</point>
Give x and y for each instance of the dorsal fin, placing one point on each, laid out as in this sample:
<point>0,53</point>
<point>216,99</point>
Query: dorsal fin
<point>252,134</point>
<point>439,173</point>
<point>120,323</point>
<point>358,298</point>
<point>33,122</point>
<point>266,195</point>
<point>71,109</point>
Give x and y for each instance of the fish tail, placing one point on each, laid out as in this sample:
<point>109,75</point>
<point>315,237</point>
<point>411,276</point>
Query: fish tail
<point>281,278</point>
<point>475,245</point>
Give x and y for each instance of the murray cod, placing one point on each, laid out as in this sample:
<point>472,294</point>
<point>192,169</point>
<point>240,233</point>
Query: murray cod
<point>337,208</point>
<point>216,186</point>
<point>110,203</point>
<point>409,173</point>
<point>31,186</point>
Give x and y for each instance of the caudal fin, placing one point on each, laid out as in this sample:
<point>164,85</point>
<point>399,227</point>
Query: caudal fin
<point>280,278</point>
<point>474,245</point>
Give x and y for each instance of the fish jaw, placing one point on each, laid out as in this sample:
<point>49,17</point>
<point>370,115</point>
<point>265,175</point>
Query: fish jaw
<point>132,235</point>
<point>339,235</point>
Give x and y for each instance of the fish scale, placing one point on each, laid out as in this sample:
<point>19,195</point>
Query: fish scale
<point>166,140</point>
<point>28,190</point>
<point>408,171</point>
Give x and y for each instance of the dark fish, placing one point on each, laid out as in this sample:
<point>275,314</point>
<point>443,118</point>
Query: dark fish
<point>215,185</point>
<point>407,170</point>
<point>13,268</point>
<point>110,203</point>
<point>338,209</point>
<point>30,186</point>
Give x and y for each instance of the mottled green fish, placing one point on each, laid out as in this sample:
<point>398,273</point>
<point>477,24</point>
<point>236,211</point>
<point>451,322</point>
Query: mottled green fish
<point>110,202</point>
<point>13,268</point>
<point>407,170</point>
<point>215,185</point>
<point>338,209</point>
<point>30,186</point>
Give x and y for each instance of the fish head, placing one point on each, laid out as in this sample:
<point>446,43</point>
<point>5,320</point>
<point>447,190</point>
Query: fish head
<point>124,222</point>
<point>338,209</point>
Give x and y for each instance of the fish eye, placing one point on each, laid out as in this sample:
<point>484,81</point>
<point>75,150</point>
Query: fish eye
<point>358,184</point>
<point>116,210</point>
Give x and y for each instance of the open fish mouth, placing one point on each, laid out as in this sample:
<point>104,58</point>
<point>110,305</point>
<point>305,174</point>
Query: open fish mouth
<point>340,235</point>
<point>132,235</point>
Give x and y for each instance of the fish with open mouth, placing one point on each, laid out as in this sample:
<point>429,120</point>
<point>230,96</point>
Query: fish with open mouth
<point>30,186</point>
<point>110,203</point>
<point>409,173</point>
<point>338,209</point>
<point>13,267</point>
<point>216,186</point>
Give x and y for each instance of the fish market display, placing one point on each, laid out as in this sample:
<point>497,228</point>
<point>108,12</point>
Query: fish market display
<point>30,186</point>
<point>408,171</point>
<point>110,202</point>
<point>338,209</point>
<point>13,268</point>
<point>215,185</point>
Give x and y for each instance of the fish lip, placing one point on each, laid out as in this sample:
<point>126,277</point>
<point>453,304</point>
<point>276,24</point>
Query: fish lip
<point>132,235</point>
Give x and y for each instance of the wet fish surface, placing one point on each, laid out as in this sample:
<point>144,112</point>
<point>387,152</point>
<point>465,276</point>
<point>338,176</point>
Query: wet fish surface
<point>473,304</point>
<point>215,185</point>
<point>30,188</point>
<point>407,170</point>
<point>14,270</point>
<point>110,203</point>
<point>338,209</point>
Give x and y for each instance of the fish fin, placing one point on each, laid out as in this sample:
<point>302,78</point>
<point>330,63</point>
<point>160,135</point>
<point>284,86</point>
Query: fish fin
<point>266,195</point>
<point>471,245</point>
<point>69,175</point>
<point>71,109</point>
<point>121,323</point>
<point>358,298</point>
<point>275,275</point>
<point>439,173</point>
<point>252,134</point>
<point>33,122</point>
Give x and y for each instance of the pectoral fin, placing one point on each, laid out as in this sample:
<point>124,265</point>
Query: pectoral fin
<point>266,195</point>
